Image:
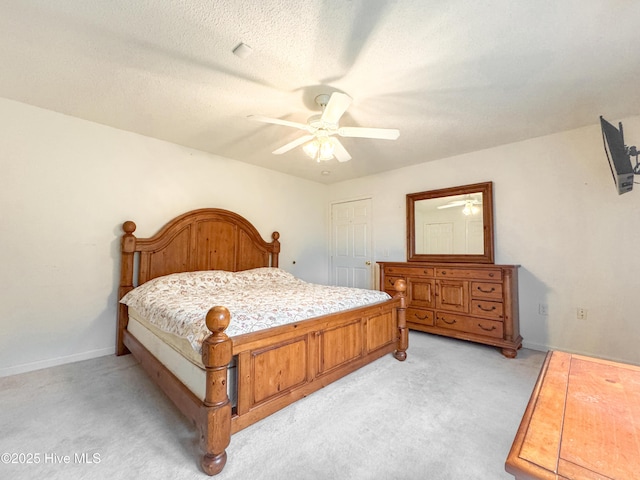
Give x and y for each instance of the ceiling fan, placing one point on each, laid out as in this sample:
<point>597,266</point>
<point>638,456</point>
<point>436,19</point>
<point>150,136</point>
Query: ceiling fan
<point>321,142</point>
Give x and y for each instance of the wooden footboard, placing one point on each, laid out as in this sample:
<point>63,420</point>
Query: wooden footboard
<point>276,367</point>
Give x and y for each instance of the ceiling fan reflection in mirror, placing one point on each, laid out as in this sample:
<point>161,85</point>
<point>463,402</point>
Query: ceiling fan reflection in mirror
<point>321,143</point>
<point>470,204</point>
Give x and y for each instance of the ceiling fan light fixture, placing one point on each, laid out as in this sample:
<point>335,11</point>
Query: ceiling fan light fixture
<point>326,149</point>
<point>319,149</point>
<point>311,148</point>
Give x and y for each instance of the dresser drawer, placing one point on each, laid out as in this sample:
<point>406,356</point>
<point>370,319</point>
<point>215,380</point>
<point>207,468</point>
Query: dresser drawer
<point>418,315</point>
<point>492,291</point>
<point>478,326</point>
<point>486,308</point>
<point>413,271</point>
<point>389,282</point>
<point>469,273</point>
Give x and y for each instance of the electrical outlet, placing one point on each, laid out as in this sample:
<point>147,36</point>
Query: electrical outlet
<point>581,313</point>
<point>543,309</point>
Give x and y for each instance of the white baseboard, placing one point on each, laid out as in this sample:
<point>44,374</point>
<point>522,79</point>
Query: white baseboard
<point>53,362</point>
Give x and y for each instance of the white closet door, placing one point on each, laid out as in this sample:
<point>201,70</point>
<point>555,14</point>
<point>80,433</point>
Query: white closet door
<point>351,258</point>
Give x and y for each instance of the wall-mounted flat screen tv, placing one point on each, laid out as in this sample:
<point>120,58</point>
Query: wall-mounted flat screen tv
<point>618,156</point>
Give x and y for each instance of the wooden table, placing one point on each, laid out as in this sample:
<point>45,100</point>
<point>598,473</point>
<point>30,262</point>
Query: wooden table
<point>582,422</point>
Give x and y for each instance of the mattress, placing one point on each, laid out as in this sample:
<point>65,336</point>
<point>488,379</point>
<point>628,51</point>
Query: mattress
<point>179,344</point>
<point>257,299</point>
<point>178,356</point>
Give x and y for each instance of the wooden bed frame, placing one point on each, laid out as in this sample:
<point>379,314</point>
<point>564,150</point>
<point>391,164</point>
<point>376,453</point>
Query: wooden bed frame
<point>275,367</point>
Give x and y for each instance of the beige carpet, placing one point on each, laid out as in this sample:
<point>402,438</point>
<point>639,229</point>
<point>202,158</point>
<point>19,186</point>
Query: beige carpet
<point>450,411</point>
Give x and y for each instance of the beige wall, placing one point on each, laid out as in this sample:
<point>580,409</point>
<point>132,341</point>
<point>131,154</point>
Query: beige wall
<point>67,186</point>
<point>558,215</point>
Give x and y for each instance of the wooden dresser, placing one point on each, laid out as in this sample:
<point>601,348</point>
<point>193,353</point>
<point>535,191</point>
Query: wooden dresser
<point>582,422</point>
<point>476,302</point>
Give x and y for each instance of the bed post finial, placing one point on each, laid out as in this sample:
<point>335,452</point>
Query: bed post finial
<point>129,227</point>
<point>218,319</point>
<point>403,334</point>
<point>215,427</point>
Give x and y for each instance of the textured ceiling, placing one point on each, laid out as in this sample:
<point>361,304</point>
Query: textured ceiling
<point>453,76</point>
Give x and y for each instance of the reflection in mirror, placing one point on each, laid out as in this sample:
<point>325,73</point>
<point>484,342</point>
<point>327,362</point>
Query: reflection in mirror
<point>451,224</point>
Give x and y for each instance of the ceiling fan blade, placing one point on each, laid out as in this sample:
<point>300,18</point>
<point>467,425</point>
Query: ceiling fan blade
<point>277,121</point>
<point>339,151</point>
<point>380,133</point>
<point>292,145</point>
<point>338,104</point>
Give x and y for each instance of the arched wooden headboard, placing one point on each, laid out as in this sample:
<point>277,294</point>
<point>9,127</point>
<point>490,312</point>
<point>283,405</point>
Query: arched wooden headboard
<point>204,239</point>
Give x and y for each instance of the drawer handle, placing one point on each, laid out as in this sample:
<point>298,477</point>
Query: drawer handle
<point>443,272</point>
<point>486,309</point>
<point>491,274</point>
<point>421,318</point>
<point>493,289</point>
<point>493,327</point>
<point>449,323</point>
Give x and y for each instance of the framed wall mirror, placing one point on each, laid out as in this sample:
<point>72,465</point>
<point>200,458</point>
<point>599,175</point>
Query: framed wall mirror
<point>451,224</point>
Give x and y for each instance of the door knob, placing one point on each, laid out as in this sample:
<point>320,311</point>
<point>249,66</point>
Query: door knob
<point>367,262</point>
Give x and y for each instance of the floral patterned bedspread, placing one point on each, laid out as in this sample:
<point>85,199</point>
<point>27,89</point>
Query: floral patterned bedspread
<point>257,299</point>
